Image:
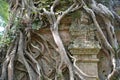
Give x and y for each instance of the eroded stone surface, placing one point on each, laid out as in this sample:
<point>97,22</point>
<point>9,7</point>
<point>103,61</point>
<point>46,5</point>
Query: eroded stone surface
<point>85,48</point>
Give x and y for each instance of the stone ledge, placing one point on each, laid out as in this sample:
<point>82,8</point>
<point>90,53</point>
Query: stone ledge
<point>88,60</point>
<point>96,78</point>
<point>83,51</point>
<point>78,44</point>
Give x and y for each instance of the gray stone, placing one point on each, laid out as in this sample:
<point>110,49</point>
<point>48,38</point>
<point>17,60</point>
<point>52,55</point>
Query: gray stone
<point>84,48</point>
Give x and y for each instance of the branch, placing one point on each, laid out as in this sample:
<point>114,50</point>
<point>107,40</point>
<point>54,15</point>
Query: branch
<point>101,34</point>
<point>65,12</point>
<point>37,66</point>
<point>56,2</point>
<point>101,9</point>
<point>78,70</point>
<point>111,34</point>
<point>11,63</point>
<point>48,14</point>
<point>77,7</point>
<point>117,17</point>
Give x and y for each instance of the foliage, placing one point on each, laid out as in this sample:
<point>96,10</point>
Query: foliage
<point>45,3</point>
<point>48,3</point>
<point>4,9</point>
<point>10,36</point>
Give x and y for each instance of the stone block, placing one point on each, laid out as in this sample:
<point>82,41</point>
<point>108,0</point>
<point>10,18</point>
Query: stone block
<point>87,60</point>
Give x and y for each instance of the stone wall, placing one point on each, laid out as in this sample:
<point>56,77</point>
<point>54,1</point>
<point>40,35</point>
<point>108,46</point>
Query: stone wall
<point>79,38</point>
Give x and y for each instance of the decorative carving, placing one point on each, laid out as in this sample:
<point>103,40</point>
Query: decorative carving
<point>84,47</point>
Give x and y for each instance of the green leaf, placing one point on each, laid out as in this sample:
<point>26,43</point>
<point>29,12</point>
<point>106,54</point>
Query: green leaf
<point>4,9</point>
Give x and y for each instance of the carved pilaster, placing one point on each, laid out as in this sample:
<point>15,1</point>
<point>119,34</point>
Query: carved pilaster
<point>84,48</point>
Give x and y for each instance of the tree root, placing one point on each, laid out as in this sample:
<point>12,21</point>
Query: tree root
<point>109,43</point>
<point>9,62</point>
<point>22,47</point>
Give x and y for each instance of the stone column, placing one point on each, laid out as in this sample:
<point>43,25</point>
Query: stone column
<point>85,49</point>
<point>87,60</point>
